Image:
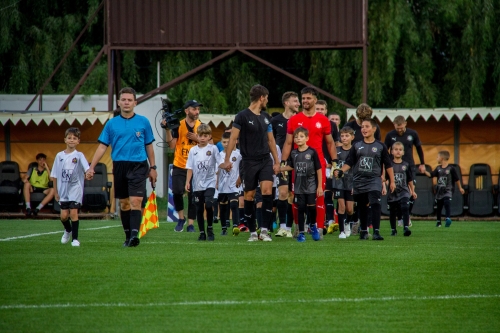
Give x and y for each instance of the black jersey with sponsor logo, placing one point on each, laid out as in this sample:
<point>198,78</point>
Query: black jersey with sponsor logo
<point>408,139</point>
<point>446,179</point>
<point>279,129</point>
<point>335,135</point>
<point>358,136</point>
<point>305,164</point>
<point>344,183</point>
<point>254,143</point>
<point>366,160</point>
<point>403,174</point>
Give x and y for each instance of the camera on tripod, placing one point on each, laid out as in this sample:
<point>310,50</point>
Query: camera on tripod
<point>172,118</point>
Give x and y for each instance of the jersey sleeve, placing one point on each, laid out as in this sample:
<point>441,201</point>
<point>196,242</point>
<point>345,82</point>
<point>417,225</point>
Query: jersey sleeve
<point>290,125</point>
<point>435,173</point>
<point>148,132</point>
<point>84,163</point>
<point>409,174</point>
<point>387,141</point>
<point>327,127</point>
<point>53,172</point>
<point>190,159</point>
<point>105,137</point>
<point>238,121</point>
<point>454,175</point>
<point>351,158</point>
<point>290,161</point>
<point>317,164</point>
<point>386,158</point>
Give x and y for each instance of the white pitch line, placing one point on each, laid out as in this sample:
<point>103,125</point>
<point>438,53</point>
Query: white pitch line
<point>52,233</point>
<point>255,302</point>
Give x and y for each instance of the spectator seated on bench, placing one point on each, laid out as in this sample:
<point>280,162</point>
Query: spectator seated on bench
<point>37,181</point>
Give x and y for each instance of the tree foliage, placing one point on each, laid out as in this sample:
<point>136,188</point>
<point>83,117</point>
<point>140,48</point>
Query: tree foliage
<point>422,53</point>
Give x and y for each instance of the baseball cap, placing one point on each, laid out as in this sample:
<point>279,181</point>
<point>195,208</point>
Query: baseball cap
<point>192,103</point>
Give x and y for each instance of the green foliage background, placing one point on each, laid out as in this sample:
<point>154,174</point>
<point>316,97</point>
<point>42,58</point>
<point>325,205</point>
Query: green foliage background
<point>427,53</point>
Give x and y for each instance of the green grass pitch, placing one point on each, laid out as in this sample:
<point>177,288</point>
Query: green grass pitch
<point>436,280</point>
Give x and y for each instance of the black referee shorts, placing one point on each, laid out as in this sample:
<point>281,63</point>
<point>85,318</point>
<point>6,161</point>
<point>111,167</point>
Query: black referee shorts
<point>130,178</point>
<point>256,171</point>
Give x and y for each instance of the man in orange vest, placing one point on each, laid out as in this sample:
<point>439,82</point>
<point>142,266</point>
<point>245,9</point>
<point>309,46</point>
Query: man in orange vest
<point>182,139</point>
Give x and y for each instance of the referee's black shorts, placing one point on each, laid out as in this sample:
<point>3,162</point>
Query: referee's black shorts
<point>130,178</point>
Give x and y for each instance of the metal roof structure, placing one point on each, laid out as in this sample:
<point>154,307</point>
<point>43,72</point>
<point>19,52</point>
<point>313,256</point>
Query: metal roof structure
<point>225,25</point>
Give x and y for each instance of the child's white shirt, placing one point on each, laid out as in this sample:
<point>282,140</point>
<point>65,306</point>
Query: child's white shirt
<point>69,170</point>
<point>203,162</point>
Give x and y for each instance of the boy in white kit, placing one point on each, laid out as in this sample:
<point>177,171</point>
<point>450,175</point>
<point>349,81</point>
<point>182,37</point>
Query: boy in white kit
<point>201,166</point>
<point>228,184</point>
<point>68,174</point>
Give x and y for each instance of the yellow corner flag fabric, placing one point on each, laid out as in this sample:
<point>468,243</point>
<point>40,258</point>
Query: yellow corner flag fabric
<point>150,216</point>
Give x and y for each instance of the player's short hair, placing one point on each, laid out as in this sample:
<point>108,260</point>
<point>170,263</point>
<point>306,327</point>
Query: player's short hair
<point>40,155</point>
<point>333,114</point>
<point>444,154</point>
<point>322,102</point>
<point>229,128</point>
<point>286,96</point>
<point>301,130</point>
<point>257,92</point>
<point>204,129</point>
<point>399,144</point>
<point>127,90</point>
<point>309,90</point>
<point>347,129</point>
<point>399,120</point>
<point>226,135</point>
<point>73,130</point>
<point>364,111</point>
<point>372,121</point>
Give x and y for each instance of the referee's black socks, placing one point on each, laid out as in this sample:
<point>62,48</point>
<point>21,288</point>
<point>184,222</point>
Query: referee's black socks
<point>135,222</point>
<point>125,217</point>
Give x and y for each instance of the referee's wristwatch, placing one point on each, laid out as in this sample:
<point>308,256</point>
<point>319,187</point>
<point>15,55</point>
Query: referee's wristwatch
<point>153,167</point>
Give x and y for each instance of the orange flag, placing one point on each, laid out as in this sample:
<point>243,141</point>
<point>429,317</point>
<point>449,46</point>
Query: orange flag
<point>150,216</point>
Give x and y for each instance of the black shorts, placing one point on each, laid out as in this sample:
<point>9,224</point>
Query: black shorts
<point>256,171</point>
<point>282,179</point>
<point>178,180</point>
<point>227,197</point>
<point>38,189</point>
<point>304,199</point>
<point>130,178</point>
<point>368,198</point>
<point>204,197</point>
<point>329,185</point>
<point>343,194</point>
<point>258,194</point>
<point>65,205</point>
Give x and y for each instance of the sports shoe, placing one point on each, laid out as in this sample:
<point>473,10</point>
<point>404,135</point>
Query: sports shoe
<point>210,235</point>
<point>190,228</point>
<point>264,236</point>
<point>216,219</point>
<point>35,213</point>
<point>409,223</point>
<point>224,232</point>
<point>342,235</point>
<point>75,242</point>
<point>202,237</point>
<point>243,228</point>
<point>28,212</point>
<point>438,224</point>
<point>134,241</point>
<point>335,227</point>
<point>347,229</point>
<point>400,223</point>
<point>394,232</point>
<point>253,238</point>
<point>65,237</point>
<point>448,222</point>
<point>407,232</point>
<point>301,238</point>
<point>288,234</point>
<point>315,233</point>
<point>180,225</point>
<point>330,229</point>
<point>363,235</point>
<point>377,236</point>
<point>125,244</point>
<point>281,233</point>
<point>355,228</point>
<point>236,231</point>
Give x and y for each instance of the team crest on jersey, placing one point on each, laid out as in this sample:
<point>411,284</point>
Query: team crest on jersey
<point>138,134</point>
<point>318,125</point>
<point>308,156</point>
<point>374,149</point>
<point>404,168</point>
<point>447,172</point>
<point>209,153</point>
<point>74,160</point>
<point>233,159</point>
<point>409,138</point>
<point>266,121</point>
